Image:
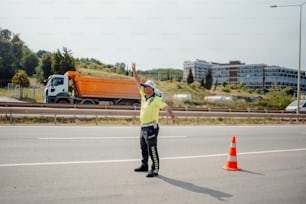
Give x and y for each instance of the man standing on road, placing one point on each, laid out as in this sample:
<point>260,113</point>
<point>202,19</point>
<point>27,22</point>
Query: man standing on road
<point>151,104</point>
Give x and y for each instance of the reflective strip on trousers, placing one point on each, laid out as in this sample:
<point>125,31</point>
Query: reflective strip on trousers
<point>155,160</point>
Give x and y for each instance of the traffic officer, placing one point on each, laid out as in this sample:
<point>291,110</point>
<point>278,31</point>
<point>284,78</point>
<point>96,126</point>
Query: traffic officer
<point>151,104</point>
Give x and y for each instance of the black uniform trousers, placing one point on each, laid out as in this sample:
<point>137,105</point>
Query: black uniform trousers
<point>148,145</point>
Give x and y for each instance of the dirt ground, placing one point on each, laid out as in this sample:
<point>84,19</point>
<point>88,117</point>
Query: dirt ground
<point>9,99</point>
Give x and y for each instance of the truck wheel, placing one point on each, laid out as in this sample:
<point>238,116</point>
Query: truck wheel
<point>87,102</point>
<point>136,104</point>
<point>63,101</point>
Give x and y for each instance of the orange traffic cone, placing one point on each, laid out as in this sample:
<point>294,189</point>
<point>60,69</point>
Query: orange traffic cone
<point>232,163</point>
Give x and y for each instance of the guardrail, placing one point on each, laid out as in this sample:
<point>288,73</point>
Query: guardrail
<point>117,107</point>
<point>71,111</point>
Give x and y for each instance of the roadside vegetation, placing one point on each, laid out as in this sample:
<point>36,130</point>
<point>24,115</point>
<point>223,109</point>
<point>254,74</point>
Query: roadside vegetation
<point>51,120</point>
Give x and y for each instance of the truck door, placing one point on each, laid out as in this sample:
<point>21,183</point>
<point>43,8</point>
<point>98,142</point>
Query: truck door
<point>57,85</point>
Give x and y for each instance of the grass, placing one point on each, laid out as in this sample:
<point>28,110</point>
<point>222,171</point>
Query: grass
<point>135,121</point>
<point>32,94</point>
<point>103,73</point>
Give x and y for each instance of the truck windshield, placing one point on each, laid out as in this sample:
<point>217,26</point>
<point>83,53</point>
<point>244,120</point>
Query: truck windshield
<point>57,81</point>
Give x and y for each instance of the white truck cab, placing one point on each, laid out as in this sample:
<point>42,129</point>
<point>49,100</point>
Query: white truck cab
<point>57,85</point>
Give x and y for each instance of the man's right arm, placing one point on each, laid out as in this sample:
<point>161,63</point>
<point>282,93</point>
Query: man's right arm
<point>136,76</point>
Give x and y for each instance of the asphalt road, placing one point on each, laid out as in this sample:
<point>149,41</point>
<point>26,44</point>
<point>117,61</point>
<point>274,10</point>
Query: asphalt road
<point>78,164</point>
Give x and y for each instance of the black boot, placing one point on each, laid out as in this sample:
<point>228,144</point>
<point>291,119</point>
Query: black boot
<point>142,168</point>
<point>152,173</point>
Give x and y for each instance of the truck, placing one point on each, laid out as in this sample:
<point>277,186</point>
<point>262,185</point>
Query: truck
<point>90,90</point>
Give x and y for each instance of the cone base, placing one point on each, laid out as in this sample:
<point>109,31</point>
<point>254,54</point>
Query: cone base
<point>231,169</point>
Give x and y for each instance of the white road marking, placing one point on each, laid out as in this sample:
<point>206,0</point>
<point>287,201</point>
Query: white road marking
<point>243,153</point>
<point>134,160</point>
<point>101,138</point>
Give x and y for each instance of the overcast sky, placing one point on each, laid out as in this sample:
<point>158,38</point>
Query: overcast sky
<point>161,33</point>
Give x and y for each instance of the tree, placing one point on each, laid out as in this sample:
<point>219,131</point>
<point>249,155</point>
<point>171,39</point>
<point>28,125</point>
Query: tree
<point>203,82</point>
<point>56,63</point>
<point>21,78</point>
<point>46,65</point>
<point>208,79</point>
<point>127,71</point>
<point>17,49</point>
<point>216,84</point>
<point>63,62</point>
<point>5,34</point>
<point>168,75</point>
<point>6,55</point>
<point>68,63</point>
<point>190,79</point>
<point>289,91</point>
<point>7,60</point>
<point>29,63</point>
<point>120,68</point>
<point>276,99</point>
<point>40,53</point>
<point>162,74</point>
<point>11,53</point>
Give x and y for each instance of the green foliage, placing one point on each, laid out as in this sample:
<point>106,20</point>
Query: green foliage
<point>46,67</point>
<point>41,53</point>
<point>17,47</point>
<point>7,60</point>
<point>241,85</point>
<point>63,62</point>
<point>190,79</point>
<point>179,86</point>
<point>30,62</point>
<point>250,91</point>
<point>5,34</point>
<point>226,89</point>
<point>208,79</point>
<point>21,78</point>
<point>88,61</point>
<point>202,83</point>
<point>258,91</point>
<point>289,91</point>
<point>163,74</point>
<point>120,68</point>
<point>10,53</point>
<point>276,99</point>
<point>15,55</point>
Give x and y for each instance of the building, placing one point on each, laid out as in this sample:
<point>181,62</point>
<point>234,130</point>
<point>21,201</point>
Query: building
<point>256,76</point>
<point>284,77</point>
<point>198,68</point>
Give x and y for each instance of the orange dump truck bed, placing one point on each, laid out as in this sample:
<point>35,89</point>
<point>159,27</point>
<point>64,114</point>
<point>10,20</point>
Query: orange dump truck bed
<point>90,87</point>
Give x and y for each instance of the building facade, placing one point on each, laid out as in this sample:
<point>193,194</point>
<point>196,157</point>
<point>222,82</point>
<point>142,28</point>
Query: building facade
<point>255,76</point>
<point>284,77</point>
<point>198,68</point>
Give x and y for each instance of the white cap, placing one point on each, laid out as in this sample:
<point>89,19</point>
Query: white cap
<point>150,84</point>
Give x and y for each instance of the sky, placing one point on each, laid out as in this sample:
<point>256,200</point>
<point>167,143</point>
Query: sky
<point>161,33</point>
